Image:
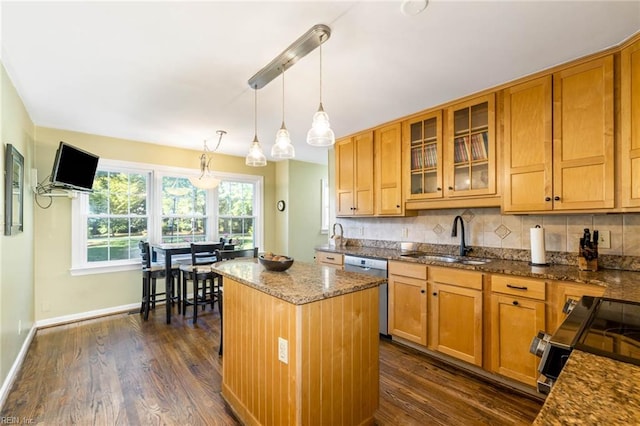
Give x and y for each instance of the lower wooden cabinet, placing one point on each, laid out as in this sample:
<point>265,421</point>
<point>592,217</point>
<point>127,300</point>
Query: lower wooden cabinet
<point>408,301</point>
<point>455,314</point>
<point>517,314</point>
<point>561,292</point>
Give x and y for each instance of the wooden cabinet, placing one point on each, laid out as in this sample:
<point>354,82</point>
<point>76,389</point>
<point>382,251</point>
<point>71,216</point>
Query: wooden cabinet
<point>630,124</point>
<point>334,260</point>
<point>470,148</point>
<point>528,150</point>
<point>561,292</point>
<point>408,301</point>
<point>583,144</point>
<point>567,166</point>
<point>354,175</point>
<point>422,146</point>
<point>517,314</point>
<point>455,313</point>
<point>388,170</point>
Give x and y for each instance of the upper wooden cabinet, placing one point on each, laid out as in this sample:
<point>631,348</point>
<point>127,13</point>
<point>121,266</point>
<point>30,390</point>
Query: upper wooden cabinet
<point>630,124</point>
<point>583,148</point>
<point>422,162</point>
<point>528,152</point>
<point>470,148</point>
<point>388,170</point>
<point>568,165</point>
<point>354,175</point>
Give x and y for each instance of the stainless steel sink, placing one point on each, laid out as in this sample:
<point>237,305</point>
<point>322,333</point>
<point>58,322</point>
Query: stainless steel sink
<point>447,259</point>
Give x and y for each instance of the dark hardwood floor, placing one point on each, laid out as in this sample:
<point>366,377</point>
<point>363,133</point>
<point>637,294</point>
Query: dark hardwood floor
<point>122,370</point>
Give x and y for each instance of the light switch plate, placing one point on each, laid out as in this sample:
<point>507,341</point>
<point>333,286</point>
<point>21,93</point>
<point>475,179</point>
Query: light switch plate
<point>604,239</point>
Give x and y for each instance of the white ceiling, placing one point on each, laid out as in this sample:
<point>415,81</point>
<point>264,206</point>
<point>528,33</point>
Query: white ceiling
<point>174,72</point>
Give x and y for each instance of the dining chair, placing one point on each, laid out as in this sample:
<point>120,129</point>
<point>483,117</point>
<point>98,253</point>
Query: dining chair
<point>227,255</point>
<point>205,282</point>
<point>151,271</point>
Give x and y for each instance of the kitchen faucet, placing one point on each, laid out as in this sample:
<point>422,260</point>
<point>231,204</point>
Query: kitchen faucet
<point>454,233</point>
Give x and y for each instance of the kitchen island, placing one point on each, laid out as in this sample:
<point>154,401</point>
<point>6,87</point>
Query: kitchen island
<point>300,346</point>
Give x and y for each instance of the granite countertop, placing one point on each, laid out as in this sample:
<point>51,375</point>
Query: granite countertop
<point>619,284</point>
<point>302,283</point>
<point>591,389</point>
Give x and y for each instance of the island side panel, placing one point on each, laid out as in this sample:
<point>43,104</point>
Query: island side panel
<point>339,359</point>
<point>259,387</point>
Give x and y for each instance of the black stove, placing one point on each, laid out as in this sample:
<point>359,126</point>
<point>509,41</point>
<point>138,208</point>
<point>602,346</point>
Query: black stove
<point>601,326</point>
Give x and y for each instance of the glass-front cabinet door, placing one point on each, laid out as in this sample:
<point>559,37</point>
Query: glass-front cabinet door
<point>470,159</point>
<point>423,145</point>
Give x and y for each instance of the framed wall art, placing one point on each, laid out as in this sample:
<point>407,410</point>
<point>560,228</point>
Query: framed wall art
<point>13,190</point>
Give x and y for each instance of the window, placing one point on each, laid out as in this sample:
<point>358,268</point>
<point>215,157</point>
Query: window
<point>132,202</point>
<point>236,212</point>
<point>184,211</point>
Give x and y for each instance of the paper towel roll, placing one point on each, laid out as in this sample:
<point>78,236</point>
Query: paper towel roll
<point>538,255</point>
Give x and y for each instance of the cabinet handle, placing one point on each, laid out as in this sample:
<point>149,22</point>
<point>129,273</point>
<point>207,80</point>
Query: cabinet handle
<point>435,294</point>
<point>423,291</point>
<point>515,303</point>
<point>331,258</point>
<point>439,189</point>
<point>451,188</point>
<point>547,199</point>
<point>517,287</point>
<point>556,198</point>
<point>397,206</point>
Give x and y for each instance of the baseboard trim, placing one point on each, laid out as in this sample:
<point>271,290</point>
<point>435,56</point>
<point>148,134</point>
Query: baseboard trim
<point>15,368</point>
<point>65,319</point>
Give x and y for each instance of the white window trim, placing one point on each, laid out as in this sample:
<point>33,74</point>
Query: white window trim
<point>79,264</point>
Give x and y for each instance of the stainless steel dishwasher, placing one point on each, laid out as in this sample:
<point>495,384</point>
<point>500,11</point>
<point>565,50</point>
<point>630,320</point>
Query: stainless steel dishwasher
<point>378,268</point>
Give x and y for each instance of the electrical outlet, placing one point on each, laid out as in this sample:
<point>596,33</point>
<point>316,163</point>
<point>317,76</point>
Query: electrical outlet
<point>283,350</point>
<point>19,326</point>
<point>405,232</point>
<point>604,239</point>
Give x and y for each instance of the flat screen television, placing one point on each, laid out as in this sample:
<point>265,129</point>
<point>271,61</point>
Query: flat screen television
<point>73,168</point>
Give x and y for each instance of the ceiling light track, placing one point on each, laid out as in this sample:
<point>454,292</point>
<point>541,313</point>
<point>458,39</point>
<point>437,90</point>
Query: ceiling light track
<point>313,38</point>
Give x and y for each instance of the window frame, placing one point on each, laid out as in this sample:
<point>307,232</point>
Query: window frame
<point>155,173</point>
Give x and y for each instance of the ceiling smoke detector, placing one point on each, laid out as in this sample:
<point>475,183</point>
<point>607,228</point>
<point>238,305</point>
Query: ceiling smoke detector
<point>413,7</point>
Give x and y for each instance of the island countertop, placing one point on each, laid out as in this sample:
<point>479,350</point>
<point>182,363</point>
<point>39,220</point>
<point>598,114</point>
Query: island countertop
<point>302,283</point>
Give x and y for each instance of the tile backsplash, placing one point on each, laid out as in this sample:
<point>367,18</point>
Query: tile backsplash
<point>487,227</point>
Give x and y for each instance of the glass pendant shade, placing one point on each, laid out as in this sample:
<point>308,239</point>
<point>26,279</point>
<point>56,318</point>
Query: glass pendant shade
<point>283,148</point>
<point>255,157</point>
<point>206,180</point>
<point>320,133</point>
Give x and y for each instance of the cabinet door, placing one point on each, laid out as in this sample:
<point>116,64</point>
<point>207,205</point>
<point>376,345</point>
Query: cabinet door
<point>345,177</point>
<point>422,146</point>
<point>514,322</point>
<point>527,160</point>
<point>630,124</point>
<point>363,166</point>
<point>470,148</point>
<point>583,148</point>
<point>455,322</point>
<point>388,172</point>
<point>408,308</point>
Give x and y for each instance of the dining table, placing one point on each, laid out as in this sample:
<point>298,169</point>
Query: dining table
<point>168,250</point>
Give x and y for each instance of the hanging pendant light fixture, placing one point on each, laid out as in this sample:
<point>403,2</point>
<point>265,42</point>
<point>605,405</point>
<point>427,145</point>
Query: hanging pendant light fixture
<point>255,157</point>
<point>206,180</point>
<point>320,133</point>
<point>283,148</point>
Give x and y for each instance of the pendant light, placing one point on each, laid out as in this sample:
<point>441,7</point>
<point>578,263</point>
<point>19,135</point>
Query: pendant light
<point>320,133</point>
<point>206,180</point>
<point>283,148</point>
<point>255,157</point>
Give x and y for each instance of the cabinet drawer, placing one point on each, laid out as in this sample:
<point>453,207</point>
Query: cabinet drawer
<point>533,289</point>
<point>332,258</point>
<point>456,277</point>
<point>407,269</point>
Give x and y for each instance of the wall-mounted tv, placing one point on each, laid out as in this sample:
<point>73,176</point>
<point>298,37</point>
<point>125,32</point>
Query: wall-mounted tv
<point>73,168</point>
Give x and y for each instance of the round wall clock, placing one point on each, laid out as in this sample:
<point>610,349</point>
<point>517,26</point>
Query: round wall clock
<point>281,205</point>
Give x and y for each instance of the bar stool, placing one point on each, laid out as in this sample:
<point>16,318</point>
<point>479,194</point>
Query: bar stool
<point>205,282</point>
<point>150,273</point>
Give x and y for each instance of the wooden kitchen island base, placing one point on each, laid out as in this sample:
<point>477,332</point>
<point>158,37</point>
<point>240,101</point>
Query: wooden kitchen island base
<point>331,373</point>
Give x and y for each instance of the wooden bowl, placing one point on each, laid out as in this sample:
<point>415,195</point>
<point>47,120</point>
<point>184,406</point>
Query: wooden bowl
<point>276,265</point>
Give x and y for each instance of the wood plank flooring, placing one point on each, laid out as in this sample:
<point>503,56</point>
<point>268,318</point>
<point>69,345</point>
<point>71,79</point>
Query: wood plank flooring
<point>120,370</point>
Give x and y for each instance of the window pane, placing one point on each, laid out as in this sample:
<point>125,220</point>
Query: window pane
<point>97,243</point>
